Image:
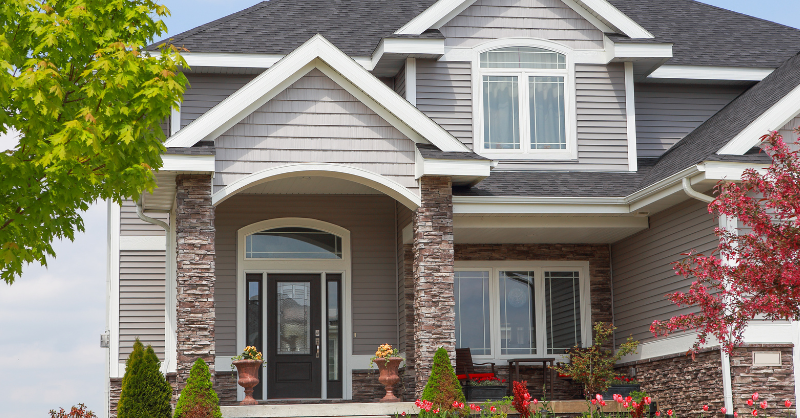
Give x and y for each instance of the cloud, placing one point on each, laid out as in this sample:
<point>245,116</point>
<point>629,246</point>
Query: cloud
<point>50,325</point>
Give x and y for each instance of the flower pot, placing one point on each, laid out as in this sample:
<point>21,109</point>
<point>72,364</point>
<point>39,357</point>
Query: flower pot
<point>623,390</point>
<point>484,393</point>
<point>388,376</point>
<point>248,378</point>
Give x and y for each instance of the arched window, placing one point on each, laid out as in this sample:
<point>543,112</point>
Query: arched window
<point>524,99</point>
<point>293,243</point>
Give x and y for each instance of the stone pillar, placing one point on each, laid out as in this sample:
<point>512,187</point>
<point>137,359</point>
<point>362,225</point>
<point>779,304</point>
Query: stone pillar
<point>434,303</point>
<point>194,228</point>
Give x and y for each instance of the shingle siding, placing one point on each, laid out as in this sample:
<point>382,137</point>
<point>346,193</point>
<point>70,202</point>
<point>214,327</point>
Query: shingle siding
<point>206,91</point>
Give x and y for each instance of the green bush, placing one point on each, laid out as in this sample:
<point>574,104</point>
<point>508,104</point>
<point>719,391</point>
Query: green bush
<point>145,391</point>
<point>442,388</point>
<point>198,397</point>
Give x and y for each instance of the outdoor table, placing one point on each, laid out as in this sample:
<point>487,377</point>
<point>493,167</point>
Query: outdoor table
<point>514,362</point>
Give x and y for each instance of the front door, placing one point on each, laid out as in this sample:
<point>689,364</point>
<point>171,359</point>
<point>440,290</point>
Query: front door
<point>294,364</point>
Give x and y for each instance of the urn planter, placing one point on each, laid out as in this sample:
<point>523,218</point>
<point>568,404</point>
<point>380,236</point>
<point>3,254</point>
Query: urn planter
<point>248,378</point>
<point>484,393</point>
<point>388,376</point>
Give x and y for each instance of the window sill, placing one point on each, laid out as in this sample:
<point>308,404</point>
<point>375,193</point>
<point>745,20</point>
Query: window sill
<point>565,156</point>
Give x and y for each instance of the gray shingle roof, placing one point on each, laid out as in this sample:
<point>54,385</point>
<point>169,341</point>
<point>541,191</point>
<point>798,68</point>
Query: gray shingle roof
<point>433,152</point>
<point>707,35</point>
<point>704,142</point>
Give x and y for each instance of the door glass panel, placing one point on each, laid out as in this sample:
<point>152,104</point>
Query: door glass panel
<point>254,322</point>
<point>563,305</point>
<point>472,311</point>
<point>517,317</point>
<point>294,318</point>
<point>333,330</point>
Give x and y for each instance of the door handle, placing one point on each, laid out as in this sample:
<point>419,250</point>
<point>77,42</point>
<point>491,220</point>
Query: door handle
<point>317,347</point>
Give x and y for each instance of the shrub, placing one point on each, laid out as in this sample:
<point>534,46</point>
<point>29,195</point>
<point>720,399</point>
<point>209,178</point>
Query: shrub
<point>443,389</point>
<point>145,391</point>
<point>198,399</point>
<point>76,412</point>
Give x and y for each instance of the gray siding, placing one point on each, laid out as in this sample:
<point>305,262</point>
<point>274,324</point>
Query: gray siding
<point>371,222</point>
<point>206,91</point>
<point>788,130</point>
<point>399,85</point>
<point>643,272</point>
<point>444,94</point>
<point>601,119</point>
<point>130,224</point>
<point>141,300</point>
<point>665,113</point>
<point>543,19</point>
<point>314,120</point>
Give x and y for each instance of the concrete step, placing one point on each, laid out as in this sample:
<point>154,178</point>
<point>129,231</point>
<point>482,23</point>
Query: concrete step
<point>349,410</point>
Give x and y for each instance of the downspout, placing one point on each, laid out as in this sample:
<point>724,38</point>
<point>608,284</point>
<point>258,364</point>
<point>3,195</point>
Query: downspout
<point>727,387</point>
<point>167,288</point>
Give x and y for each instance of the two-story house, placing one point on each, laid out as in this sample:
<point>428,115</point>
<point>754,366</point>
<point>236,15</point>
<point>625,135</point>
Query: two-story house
<point>487,174</point>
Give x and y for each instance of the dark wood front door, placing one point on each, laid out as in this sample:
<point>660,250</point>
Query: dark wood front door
<point>293,336</point>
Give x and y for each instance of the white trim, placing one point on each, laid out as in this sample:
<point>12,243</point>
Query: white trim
<point>435,16</point>
<point>218,59</point>
<point>175,119</point>
<point>315,53</point>
<point>411,80</point>
<point>796,363</point>
<point>172,295</point>
<point>630,113</point>
<point>436,167</point>
<point>663,346</point>
<point>644,50</point>
<point>507,222</point>
<point>188,163</point>
<point>341,266</point>
<point>730,225</point>
<point>358,175</point>
<point>561,205</point>
<point>142,243</point>
<point>113,284</point>
<point>586,14</point>
<point>773,119</point>
<point>570,107</point>
<point>702,72</point>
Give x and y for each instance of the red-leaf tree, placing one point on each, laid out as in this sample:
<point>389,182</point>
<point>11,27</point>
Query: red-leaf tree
<point>751,274</point>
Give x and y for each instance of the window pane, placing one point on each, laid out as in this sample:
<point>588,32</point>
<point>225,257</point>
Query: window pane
<point>293,243</point>
<point>563,307</point>
<point>500,112</point>
<point>294,318</point>
<point>333,330</point>
<point>472,311</point>
<point>547,113</point>
<point>523,57</point>
<point>517,314</point>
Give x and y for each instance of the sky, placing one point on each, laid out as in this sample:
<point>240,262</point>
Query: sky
<point>51,318</point>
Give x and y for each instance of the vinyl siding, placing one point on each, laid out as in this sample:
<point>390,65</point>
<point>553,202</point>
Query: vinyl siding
<point>206,91</point>
<point>314,120</point>
<point>444,95</point>
<point>399,85</point>
<point>601,120</point>
<point>787,131</point>
<point>665,113</point>
<point>643,272</point>
<point>543,19</point>
<point>371,222</point>
<point>141,300</point>
<point>130,224</point>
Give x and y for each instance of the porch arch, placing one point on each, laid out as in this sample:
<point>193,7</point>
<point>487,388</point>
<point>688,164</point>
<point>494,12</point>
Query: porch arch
<point>367,178</point>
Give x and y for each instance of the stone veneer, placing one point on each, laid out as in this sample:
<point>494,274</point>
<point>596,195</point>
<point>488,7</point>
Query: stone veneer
<point>775,384</point>
<point>434,312</point>
<point>194,228</point>
<point>367,388</point>
<point>224,385</point>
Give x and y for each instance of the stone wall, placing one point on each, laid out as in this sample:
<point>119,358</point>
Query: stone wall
<point>367,388</point>
<point>775,384</point>
<point>225,386</point>
<point>115,388</point>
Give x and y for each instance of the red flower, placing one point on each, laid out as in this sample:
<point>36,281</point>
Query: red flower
<point>755,396</point>
<point>647,400</point>
<point>788,403</point>
<point>763,405</point>
<point>603,403</point>
<point>705,407</point>
<point>658,413</point>
<point>493,409</point>
<point>669,412</point>
<point>755,413</point>
<point>749,402</point>
<point>723,410</point>
<point>594,401</point>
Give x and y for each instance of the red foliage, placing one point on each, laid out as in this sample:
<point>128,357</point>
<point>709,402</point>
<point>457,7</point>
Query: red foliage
<point>76,412</point>
<point>750,274</point>
<point>522,399</point>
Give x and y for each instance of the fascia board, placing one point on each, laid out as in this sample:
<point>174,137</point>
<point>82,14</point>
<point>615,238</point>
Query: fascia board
<point>643,50</point>
<point>700,72</point>
<point>773,119</point>
<point>616,19</point>
<point>505,221</point>
<point>188,163</point>
<point>661,189</point>
<point>732,171</point>
<point>442,167</point>
<point>211,59</point>
<point>532,205</point>
<point>413,46</point>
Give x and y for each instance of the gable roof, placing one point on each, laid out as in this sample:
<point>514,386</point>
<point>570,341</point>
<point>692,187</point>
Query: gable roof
<point>321,54</point>
<point>705,141</point>
<point>707,35</point>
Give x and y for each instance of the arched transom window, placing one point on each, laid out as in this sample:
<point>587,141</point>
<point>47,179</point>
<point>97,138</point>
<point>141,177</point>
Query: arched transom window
<point>524,100</point>
<point>293,243</point>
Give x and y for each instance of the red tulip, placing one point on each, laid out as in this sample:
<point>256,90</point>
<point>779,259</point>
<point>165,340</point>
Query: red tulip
<point>749,402</point>
<point>763,405</point>
<point>755,413</point>
<point>705,407</point>
<point>669,412</point>
<point>594,401</point>
<point>658,413</point>
<point>603,403</point>
<point>647,400</point>
<point>788,403</point>
<point>755,396</point>
<point>723,410</point>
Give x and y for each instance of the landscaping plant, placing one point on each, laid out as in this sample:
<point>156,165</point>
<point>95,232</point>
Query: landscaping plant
<point>76,412</point>
<point>593,366</point>
<point>145,391</point>
<point>442,393</point>
<point>198,399</point>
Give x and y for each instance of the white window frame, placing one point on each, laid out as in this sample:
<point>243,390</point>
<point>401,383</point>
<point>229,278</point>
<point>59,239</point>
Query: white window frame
<point>570,124</point>
<point>538,268</point>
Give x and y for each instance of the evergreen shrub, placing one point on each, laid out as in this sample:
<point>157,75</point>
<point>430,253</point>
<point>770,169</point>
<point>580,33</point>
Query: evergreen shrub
<point>443,388</point>
<point>145,391</point>
<point>198,399</point>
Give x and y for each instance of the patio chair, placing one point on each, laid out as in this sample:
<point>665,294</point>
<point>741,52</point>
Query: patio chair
<point>465,368</point>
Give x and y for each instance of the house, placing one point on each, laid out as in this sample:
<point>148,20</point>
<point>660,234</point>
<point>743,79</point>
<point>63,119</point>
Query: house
<point>491,174</point>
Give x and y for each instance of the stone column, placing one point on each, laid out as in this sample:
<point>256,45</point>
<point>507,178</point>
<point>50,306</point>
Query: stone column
<point>194,228</point>
<point>434,303</point>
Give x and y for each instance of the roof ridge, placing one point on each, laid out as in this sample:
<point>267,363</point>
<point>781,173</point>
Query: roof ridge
<point>214,23</point>
<point>739,13</point>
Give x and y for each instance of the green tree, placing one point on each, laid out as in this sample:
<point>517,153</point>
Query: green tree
<point>145,391</point>
<point>198,397</point>
<point>442,388</point>
<point>87,98</point>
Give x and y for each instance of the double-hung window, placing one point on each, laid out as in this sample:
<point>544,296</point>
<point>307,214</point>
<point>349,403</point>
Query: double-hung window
<point>505,312</point>
<point>525,103</point>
